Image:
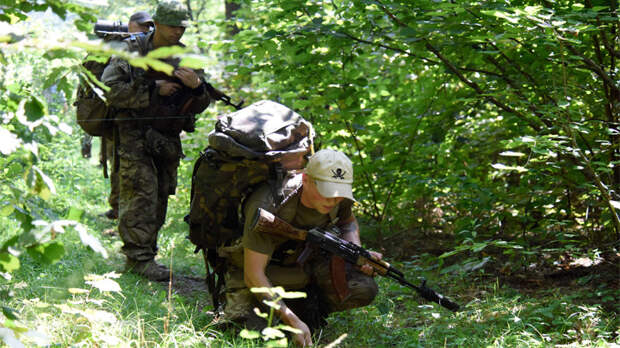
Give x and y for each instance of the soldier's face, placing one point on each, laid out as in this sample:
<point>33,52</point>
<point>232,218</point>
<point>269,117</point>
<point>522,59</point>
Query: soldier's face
<point>311,198</point>
<point>169,34</point>
<point>135,27</point>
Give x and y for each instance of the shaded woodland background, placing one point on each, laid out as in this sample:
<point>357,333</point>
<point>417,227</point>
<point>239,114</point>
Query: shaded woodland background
<point>484,133</point>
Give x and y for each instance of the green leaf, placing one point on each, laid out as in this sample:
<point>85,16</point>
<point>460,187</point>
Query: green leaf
<point>262,290</point>
<point>77,291</point>
<point>270,34</point>
<point>166,51</point>
<point>74,214</point>
<point>105,285</point>
<point>35,109</point>
<point>504,15</point>
<point>67,88</point>
<point>270,333</point>
<point>11,242</point>
<point>47,253</point>
<point>83,25</point>
<point>479,246</point>
<point>292,294</point>
<point>288,328</point>
<point>512,154</point>
<point>273,304</point>
<point>24,218</point>
<point>40,183</point>
<point>500,166</point>
<point>281,343</point>
<point>53,77</point>
<point>449,253</point>
<point>91,241</point>
<point>249,334</point>
<point>10,313</point>
<point>8,262</point>
<point>158,65</point>
<point>260,314</point>
<point>194,61</point>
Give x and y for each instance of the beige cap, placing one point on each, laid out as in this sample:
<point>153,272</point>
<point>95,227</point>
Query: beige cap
<point>333,173</point>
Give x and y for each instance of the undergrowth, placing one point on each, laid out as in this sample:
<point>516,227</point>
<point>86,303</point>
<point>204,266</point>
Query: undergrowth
<point>86,300</point>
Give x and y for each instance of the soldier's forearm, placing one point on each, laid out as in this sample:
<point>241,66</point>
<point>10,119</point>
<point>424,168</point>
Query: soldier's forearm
<point>350,232</point>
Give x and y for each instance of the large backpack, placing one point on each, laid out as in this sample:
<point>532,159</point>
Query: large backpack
<point>91,107</point>
<point>245,150</point>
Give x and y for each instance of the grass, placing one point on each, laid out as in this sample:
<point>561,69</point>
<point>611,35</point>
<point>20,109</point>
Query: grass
<point>74,301</point>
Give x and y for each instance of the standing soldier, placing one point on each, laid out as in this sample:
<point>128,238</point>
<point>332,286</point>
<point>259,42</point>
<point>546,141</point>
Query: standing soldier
<point>151,115</point>
<point>139,22</point>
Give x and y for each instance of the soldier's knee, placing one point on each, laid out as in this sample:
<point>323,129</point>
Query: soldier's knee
<point>363,291</point>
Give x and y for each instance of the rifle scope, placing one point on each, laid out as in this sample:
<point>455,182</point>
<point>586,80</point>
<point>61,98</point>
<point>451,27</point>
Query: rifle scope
<point>102,27</point>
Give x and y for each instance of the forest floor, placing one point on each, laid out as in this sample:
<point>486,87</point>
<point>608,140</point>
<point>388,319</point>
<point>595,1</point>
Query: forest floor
<point>568,273</point>
<point>555,269</point>
<point>535,298</point>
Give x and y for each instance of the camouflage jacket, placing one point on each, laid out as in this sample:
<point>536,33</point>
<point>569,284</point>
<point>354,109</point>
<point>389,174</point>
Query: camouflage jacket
<point>131,90</point>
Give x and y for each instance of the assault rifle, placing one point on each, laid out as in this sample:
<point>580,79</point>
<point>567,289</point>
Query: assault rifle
<point>326,239</point>
<point>213,92</point>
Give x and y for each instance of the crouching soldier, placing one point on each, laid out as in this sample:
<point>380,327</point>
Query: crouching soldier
<point>318,197</point>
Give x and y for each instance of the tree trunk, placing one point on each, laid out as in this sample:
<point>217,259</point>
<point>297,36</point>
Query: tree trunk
<point>231,8</point>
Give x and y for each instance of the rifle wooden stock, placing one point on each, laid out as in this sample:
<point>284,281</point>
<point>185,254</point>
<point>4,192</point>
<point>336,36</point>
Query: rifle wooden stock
<point>266,222</point>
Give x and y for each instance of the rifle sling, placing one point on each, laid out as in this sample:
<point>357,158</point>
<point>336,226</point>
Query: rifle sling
<point>337,270</point>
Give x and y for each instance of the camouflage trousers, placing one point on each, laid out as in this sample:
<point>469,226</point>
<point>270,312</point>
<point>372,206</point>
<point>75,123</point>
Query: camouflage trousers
<point>315,279</point>
<point>146,179</point>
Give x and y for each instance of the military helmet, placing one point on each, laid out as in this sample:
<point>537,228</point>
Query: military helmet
<point>171,12</point>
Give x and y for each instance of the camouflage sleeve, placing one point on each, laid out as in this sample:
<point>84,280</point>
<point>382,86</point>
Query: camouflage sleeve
<point>126,91</point>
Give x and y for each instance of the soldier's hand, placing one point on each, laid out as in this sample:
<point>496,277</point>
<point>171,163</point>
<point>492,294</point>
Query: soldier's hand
<point>303,339</point>
<point>167,88</point>
<point>188,77</point>
<point>366,268</point>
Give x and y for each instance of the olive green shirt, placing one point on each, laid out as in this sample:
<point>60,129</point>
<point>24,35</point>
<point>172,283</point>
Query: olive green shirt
<point>293,212</point>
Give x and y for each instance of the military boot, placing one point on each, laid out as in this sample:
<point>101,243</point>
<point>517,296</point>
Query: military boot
<point>150,269</point>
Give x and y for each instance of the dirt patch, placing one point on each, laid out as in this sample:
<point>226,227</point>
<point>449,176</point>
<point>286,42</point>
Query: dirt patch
<point>190,287</point>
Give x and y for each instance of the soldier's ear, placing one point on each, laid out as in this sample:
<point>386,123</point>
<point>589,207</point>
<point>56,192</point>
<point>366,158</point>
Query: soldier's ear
<point>305,178</point>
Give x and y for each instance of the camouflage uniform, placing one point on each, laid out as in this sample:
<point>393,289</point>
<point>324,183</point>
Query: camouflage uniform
<point>314,278</point>
<point>148,155</point>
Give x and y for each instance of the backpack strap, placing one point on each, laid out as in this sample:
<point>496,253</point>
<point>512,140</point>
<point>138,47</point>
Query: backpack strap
<point>291,191</point>
<point>286,196</point>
